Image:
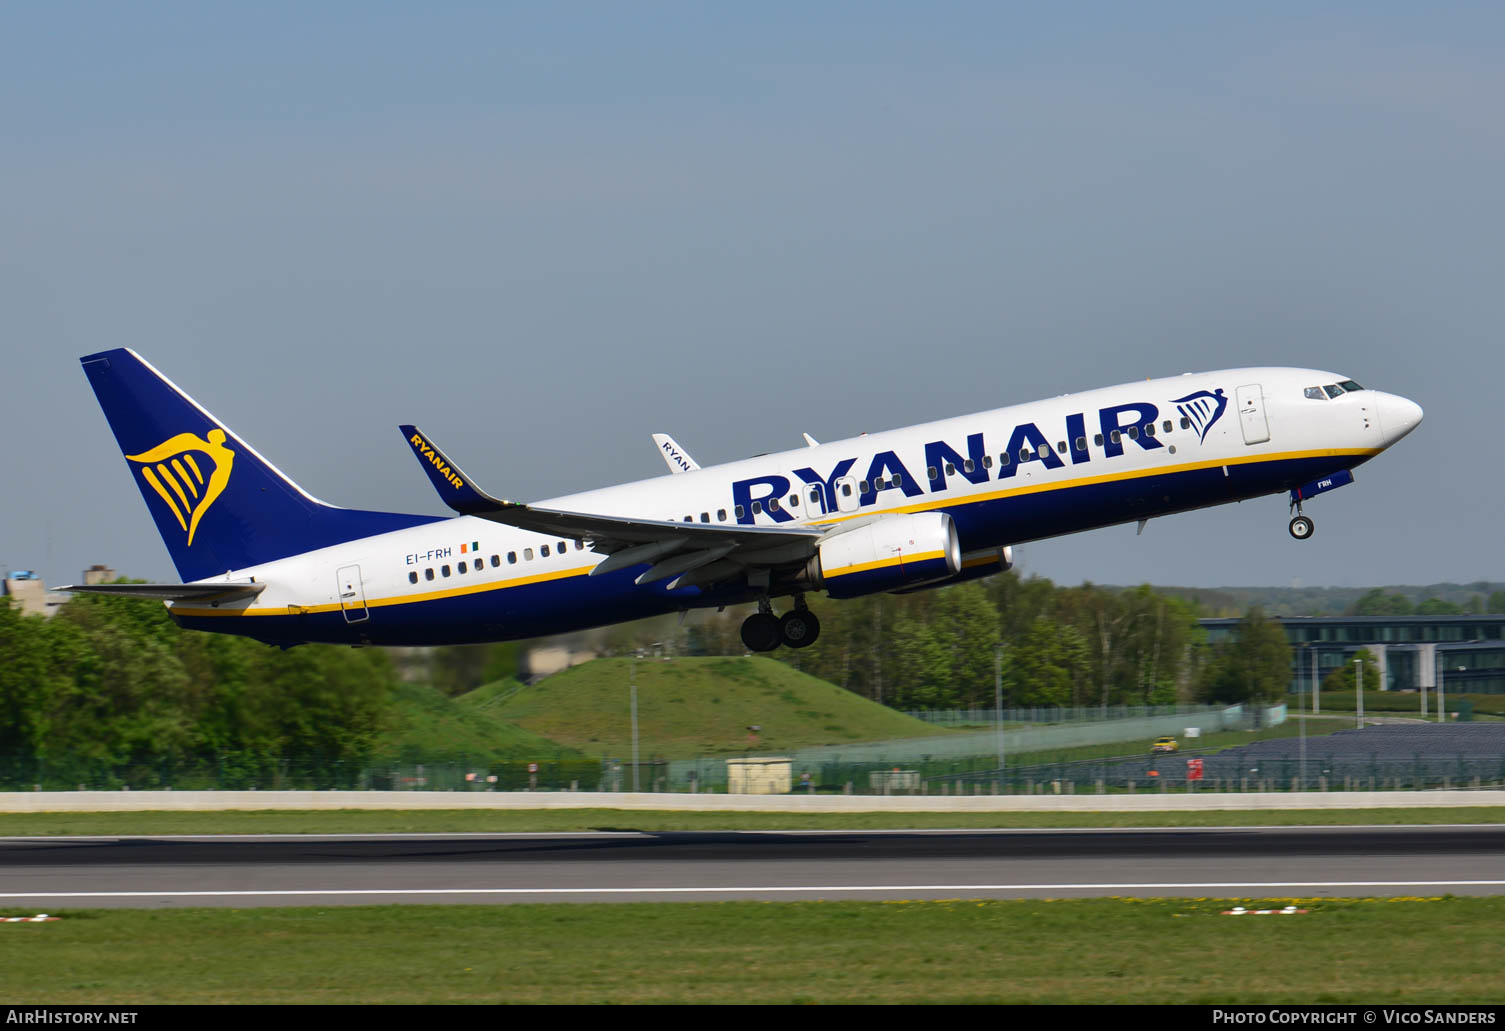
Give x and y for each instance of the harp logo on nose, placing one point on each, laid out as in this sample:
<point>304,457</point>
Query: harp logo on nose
<point>188,473</point>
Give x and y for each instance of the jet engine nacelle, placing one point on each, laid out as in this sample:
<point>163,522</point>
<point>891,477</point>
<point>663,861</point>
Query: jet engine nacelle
<point>887,554</point>
<point>975,566</point>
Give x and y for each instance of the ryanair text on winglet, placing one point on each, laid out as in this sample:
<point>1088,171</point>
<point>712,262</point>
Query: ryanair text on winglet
<point>433,456</point>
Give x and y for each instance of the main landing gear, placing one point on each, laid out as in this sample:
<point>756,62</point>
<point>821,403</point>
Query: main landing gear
<point>1301,527</point>
<point>797,628</point>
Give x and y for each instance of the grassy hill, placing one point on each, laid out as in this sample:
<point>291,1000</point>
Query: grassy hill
<point>689,707</point>
<point>429,727</point>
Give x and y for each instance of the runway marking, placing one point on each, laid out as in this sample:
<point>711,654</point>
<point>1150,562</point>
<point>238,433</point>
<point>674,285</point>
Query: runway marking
<point>740,889</point>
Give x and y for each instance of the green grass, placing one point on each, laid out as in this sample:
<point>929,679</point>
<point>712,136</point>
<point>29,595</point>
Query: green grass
<point>694,707</point>
<point>958,951</point>
<point>428,727</point>
<point>350,821</point>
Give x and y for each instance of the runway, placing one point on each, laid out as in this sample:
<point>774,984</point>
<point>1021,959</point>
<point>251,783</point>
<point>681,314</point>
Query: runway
<point>41,874</point>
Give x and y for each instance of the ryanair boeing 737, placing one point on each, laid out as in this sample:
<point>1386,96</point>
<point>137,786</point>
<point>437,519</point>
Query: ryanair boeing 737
<point>902,510</point>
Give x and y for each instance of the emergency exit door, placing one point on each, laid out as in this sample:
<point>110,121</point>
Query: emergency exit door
<point>352,594</point>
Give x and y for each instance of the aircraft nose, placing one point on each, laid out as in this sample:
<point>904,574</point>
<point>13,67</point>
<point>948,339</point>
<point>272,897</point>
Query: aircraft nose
<point>1398,416</point>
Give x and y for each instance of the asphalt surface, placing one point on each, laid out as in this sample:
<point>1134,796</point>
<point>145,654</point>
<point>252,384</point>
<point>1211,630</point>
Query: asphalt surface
<point>42,874</point>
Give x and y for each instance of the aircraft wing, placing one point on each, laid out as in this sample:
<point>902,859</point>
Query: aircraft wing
<point>692,553</point>
<point>227,591</point>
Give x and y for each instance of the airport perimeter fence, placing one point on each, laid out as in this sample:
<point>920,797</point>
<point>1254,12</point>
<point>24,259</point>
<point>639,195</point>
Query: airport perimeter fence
<point>1059,714</point>
<point>974,775</point>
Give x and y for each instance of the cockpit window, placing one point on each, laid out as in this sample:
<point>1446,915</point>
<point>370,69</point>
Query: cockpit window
<point>1333,390</point>
<point>1315,393</point>
<point>1350,386</point>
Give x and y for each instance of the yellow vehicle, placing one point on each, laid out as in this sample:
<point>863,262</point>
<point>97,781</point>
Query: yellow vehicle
<point>1165,744</point>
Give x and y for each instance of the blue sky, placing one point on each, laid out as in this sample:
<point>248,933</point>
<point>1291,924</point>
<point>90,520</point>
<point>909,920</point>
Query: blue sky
<point>544,232</point>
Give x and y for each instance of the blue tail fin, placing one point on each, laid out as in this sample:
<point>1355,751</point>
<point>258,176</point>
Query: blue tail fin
<point>217,503</point>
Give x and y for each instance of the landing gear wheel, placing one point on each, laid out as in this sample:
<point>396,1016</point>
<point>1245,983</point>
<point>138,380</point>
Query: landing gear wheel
<point>799,628</point>
<point>760,632</point>
<point>1301,527</point>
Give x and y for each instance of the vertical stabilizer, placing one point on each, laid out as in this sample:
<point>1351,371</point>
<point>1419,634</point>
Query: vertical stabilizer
<point>217,503</point>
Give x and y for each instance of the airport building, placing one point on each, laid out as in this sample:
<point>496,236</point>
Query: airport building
<point>29,594</point>
<point>1413,652</point>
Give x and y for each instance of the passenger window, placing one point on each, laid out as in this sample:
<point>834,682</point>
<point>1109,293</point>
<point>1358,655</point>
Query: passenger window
<point>931,472</point>
<point>740,510</point>
<point>1097,439</point>
<point>1149,429</point>
<point>1166,425</point>
<point>562,548</point>
<point>462,567</point>
<point>987,461</point>
<point>1116,436</point>
<point>950,469</point>
<point>895,480</point>
<point>1024,454</point>
<point>773,504</point>
<point>428,574</point>
<point>1133,432</point>
<point>1185,423</point>
<point>688,519</point>
<point>413,577</point>
<point>757,508</point>
<point>1003,458</point>
<point>543,551</point>
<point>527,554</point>
<point>444,570</point>
<point>1061,446</point>
<point>862,487</point>
<point>846,490</point>
<point>814,495</point>
<point>1081,445</point>
<point>496,560</point>
<point>969,466</point>
<point>794,501</point>
<point>705,517</point>
<point>721,516</point>
<point>511,558</point>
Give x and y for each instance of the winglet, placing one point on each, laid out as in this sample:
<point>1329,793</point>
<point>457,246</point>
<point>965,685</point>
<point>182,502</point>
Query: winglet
<point>454,487</point>
<point>676,457</point>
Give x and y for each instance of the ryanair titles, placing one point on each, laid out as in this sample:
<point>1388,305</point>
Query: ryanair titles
<point>1119,425</point>
<point>433,458</point>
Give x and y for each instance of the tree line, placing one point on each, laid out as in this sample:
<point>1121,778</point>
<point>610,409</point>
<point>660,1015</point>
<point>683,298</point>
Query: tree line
<point>112,683</point>
<point>1053,646</point>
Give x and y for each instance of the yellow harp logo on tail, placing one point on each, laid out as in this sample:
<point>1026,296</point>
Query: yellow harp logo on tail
<point>176,470</point>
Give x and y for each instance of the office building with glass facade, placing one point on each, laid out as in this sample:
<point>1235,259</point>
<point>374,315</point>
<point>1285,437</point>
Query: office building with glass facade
<point>1467,652</point>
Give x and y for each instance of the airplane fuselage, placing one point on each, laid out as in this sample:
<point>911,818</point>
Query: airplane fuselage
<point>1005,477</point>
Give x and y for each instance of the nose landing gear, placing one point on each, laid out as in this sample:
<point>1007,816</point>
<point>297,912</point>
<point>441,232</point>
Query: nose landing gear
<point>763,631</point>
<point>1301,527</point>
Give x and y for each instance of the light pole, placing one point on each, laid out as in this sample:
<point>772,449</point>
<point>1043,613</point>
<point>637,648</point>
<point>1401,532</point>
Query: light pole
<point>1439,687</point>
<point>1301,719</point>
<point>1316,687</point>
<point>1358,685</point>
<point>632,689</point>
<point>998,701</point>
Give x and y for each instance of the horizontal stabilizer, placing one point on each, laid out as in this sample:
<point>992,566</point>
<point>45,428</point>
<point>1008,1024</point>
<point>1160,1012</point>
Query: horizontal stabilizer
<point>225,591</point>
